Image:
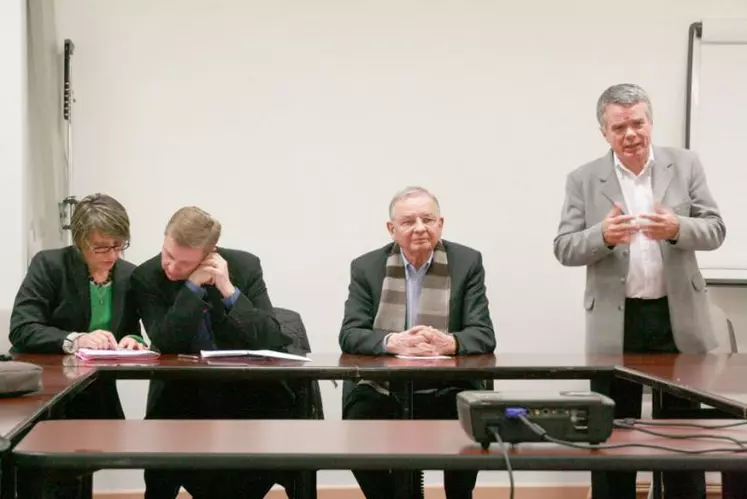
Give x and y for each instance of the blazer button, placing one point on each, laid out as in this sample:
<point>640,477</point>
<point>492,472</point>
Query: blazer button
<point>621,307</point>
<point>622,279</point>
<point>625,252</point>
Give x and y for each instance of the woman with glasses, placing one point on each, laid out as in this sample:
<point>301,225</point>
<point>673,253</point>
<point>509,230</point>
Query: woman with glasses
<point>79,297</point>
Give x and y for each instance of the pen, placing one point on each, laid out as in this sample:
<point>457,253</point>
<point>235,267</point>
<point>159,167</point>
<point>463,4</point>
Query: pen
<point>187,357</point>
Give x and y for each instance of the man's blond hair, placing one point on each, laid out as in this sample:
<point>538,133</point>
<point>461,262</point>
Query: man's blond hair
<point>194,228</point>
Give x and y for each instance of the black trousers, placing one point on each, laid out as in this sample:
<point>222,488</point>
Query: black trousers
<point>366,403</point>
<point>647,330</point>
<point>220,400</point>
<point>734,485</point>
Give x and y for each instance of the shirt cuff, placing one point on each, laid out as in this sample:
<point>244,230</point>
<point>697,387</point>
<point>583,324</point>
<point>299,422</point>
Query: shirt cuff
<point>229,301</point>
<point>382,345</point>
<point>199,291</point>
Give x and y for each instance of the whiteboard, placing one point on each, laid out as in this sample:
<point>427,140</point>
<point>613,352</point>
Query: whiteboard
<point>718,132</point>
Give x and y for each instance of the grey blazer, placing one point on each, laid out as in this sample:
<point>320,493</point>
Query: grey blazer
<point>678,183</point>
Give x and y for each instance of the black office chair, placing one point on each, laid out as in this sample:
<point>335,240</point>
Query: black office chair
<point>292,325</point>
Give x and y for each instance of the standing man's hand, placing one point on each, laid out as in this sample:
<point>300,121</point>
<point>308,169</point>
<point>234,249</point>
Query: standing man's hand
<point>616,227</point>
<point>663,225</point>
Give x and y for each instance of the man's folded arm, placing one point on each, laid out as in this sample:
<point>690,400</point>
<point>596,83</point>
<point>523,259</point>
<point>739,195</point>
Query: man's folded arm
<point>357,335</point>
<point>477,336</point>
<point>250,322</point>
<point>170,327</point>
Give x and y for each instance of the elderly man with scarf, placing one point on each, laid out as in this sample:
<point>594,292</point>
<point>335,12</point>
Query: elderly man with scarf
<point>419,296</point>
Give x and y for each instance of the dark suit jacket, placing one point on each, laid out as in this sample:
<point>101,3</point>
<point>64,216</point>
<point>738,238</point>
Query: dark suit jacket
<point>55,300</point>
<point>171,313</point>
<point>469,317</point>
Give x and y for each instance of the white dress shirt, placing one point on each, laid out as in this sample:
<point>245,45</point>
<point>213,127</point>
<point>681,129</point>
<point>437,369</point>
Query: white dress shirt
<point>646,267</point>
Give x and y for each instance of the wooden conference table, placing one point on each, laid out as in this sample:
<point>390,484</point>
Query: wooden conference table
<point>710,379</point>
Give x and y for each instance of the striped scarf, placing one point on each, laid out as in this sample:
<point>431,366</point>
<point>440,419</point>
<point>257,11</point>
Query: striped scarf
<point>433,308</point>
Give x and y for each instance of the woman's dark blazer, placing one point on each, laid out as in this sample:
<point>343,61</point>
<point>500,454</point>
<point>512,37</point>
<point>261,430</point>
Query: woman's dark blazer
<point>54,300</point>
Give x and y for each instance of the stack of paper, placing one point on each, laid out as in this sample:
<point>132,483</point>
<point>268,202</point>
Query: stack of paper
<point>207,354</point>
<point>121,353</point>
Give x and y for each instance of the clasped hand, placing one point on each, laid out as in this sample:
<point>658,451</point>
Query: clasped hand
<point>421,341</point>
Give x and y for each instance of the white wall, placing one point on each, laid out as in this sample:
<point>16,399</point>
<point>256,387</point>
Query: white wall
<point>294,122</point>
<point>13,137</point>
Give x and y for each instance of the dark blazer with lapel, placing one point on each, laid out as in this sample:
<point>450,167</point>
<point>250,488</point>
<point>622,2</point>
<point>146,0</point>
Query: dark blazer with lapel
<point>469,317</point>
<point>171,313</point>
<point>54,300</point>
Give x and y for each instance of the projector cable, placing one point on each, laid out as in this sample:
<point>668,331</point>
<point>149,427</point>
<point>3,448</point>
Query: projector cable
<point>497,434</point>
<point>542,433</point>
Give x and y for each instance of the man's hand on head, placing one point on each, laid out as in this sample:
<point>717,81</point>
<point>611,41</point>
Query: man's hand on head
<point>217,267</point>
<point>201,276</point>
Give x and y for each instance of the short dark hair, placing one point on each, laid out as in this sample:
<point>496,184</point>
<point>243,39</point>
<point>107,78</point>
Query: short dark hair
<point>99,213</point>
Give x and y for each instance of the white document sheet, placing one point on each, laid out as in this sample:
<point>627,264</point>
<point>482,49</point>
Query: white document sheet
<point>207,354</point>
<point>123,353</point>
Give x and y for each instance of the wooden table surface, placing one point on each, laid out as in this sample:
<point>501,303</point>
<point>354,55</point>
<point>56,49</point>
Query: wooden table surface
<point>329,444</point>
<point>716,376</point>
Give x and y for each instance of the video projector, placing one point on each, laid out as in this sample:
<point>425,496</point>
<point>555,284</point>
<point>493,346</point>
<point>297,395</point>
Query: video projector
<point>571,416</point>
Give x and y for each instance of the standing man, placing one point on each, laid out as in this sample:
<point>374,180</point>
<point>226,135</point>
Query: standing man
<point>195,296</point>
<point>635,218</point>
<point>419,295</point>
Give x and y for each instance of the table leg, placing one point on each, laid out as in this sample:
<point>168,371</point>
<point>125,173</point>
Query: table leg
<point>8,477</point>
<point>657,409</point>
<point>602,385</point>
<point>409,484</point>
<point>306,485</point>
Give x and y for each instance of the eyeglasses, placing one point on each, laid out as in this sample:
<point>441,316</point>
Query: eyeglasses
<point>409,224</point>
<point>99,250</point>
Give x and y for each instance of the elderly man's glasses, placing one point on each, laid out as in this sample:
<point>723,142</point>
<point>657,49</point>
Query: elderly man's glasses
<point>409,224</point>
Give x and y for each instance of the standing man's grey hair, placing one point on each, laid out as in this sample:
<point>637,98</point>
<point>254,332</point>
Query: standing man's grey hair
<point>409,192</point>
<point>623,94</point>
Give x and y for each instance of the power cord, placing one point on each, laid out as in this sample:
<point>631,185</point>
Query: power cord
<point>674,424</point>
<point>497,434</point>
<point>542,433</point>
<point>687,436</point>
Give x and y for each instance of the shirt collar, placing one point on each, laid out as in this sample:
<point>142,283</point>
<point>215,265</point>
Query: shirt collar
<point>408,265</point>
<point>623,169</point>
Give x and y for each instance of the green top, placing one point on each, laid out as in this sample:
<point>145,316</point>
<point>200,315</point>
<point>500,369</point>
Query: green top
<point>101,307</point>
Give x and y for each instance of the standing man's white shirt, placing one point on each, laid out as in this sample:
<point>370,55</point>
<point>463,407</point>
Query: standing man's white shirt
<point>646,267</point>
